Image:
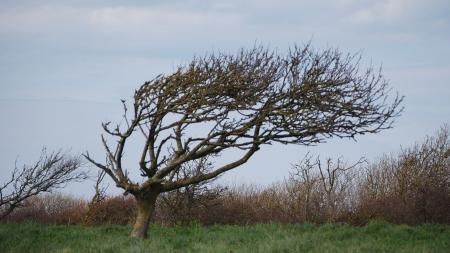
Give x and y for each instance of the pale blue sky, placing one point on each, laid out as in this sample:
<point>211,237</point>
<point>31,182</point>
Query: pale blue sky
<point>65,65</point>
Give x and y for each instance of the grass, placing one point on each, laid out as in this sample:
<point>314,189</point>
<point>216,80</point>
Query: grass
<point>375,237</point>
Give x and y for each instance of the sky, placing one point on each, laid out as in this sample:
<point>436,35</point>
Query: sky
<point>65,66</point>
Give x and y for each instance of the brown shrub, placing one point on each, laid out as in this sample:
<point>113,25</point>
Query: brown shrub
<point>50,209</point>
<point>410,187</point>
<point>113,210</point>
<point>244,205</point>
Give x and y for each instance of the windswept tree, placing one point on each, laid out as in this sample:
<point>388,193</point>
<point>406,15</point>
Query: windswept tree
<point>241,102</point>
<point>52,171</point>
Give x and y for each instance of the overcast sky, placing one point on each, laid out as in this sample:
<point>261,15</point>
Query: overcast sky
<point>65,65</point>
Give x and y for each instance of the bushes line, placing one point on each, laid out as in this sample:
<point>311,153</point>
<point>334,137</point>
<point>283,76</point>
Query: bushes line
<point>410,187</point>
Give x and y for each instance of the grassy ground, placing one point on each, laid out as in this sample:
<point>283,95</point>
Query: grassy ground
<point>375,237</point>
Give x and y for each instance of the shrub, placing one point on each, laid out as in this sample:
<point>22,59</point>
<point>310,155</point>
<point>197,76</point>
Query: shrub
<point>113,210</point>
<point>410,187</point>
<point>50,209</point>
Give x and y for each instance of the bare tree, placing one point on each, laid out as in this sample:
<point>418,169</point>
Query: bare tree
<point>52,171</point>
<point>100,189</point>
<point>242,102</point>
<point>301,185</point>
<point>323,184</point>
<point>335,183</point>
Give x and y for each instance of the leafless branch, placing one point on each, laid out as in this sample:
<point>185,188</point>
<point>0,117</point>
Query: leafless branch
<point>243,102</point>
<point>52,171</point>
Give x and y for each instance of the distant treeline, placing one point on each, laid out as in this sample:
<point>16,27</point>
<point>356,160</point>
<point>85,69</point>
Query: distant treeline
<point>412,187</point>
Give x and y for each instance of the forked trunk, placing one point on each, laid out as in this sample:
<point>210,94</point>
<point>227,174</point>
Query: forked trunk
<point>145,207</point>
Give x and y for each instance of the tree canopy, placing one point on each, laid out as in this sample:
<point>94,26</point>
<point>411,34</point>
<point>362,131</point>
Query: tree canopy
<point>242,102</point>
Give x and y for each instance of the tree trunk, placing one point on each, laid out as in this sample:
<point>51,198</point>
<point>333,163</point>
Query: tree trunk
<point>145,207</point>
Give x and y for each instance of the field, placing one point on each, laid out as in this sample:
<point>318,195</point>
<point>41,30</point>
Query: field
<point>375,237</point>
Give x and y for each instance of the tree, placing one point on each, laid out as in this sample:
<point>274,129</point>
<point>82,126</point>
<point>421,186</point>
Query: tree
<point>100,190</point>
<point>332,178</point>
<point>52,171</point>
<point>240,103</point>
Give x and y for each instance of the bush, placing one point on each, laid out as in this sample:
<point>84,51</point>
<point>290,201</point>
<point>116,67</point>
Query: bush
<point>50,209</point>
<point>113,210</point>
<point>410,187</point>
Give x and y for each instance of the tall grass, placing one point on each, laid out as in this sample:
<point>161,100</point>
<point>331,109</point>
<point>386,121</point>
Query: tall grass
<point>374,237</point>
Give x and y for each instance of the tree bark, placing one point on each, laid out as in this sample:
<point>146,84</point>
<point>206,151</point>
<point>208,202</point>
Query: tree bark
<point>145,206</point>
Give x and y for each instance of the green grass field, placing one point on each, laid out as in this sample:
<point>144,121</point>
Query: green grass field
<point>375,237</point>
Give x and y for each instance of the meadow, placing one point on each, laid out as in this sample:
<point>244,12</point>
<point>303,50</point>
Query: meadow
<point>374,237</point>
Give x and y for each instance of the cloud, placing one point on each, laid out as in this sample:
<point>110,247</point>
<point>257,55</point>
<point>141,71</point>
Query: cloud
<point>157,21</point>
<point>386,11</point>
<point>407,12</point>
<point>22,21</point>
<point>118,18</point>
